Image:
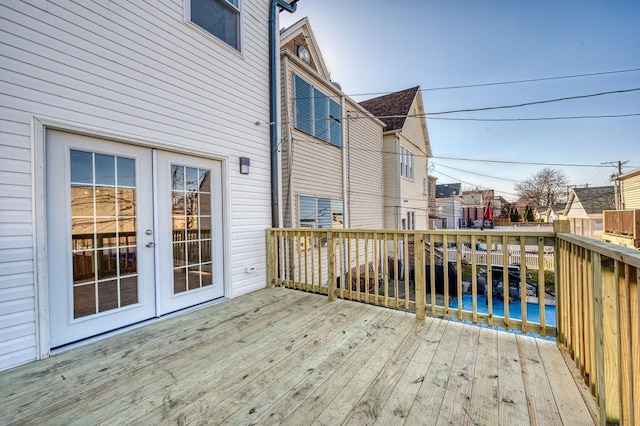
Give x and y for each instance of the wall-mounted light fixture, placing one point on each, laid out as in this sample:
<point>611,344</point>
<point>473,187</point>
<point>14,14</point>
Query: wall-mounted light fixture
<point>245,162</point>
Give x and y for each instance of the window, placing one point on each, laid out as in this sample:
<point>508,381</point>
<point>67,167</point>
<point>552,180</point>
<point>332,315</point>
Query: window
<point>411,220</point>
<point>320,212</point>
<point>218,17</point>
<point>316,113</point>
<point>406,163</point>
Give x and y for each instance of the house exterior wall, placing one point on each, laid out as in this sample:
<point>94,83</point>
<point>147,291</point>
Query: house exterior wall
<point>630,192</point>
<point>412,196</point>
<point>138,72</point>
<point>449,209</point>
<point>364,178</point>
<point>391,167</point>
<point>310,166</point>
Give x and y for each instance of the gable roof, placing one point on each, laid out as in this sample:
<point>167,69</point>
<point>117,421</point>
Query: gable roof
<point>392,108</point>
<point>594,200</point>
<point>301,34</point>
<point>448,190</point>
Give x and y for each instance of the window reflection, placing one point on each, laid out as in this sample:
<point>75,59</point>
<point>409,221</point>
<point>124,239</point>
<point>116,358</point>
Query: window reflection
<point>192,248</point>
<point>103,232</point>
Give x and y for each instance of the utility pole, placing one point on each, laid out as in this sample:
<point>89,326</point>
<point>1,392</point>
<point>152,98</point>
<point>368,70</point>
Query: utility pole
<point>616,182</point>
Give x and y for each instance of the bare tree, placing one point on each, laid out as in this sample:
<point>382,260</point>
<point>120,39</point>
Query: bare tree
<point>544,188</point>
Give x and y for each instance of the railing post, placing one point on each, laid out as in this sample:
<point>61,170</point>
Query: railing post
<point>331,266</point>
<point>271,258</point>
<point>607,351</point>
<point>419,269</point>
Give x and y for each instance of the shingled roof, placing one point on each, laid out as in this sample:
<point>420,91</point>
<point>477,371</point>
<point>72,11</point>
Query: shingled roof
<point>393,108</point>
<point>596,199</point>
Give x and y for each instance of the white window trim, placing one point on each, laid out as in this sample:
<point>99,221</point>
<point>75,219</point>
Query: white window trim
<point>406,167</point>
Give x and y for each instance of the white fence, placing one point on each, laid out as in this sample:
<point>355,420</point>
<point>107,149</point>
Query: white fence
<point>513,253</point>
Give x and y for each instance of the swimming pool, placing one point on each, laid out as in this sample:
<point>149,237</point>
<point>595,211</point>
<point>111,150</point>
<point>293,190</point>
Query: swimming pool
<point>515,309</point>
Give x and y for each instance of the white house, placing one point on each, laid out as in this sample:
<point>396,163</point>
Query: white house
<point>121,197</point>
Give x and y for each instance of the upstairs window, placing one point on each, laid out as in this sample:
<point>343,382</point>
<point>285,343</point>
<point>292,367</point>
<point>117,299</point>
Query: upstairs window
<point>406,163</point>
<point>317,114</point>
<point>218,17</point>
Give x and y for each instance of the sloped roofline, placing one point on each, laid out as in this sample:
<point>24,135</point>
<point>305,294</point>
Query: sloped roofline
<point>287,34</point>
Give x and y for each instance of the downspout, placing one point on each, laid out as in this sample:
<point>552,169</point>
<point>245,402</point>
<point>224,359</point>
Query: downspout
<point>399,184</point>
<point>275,7</point>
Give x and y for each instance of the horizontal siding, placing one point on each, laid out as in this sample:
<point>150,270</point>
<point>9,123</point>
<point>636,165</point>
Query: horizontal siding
<point>630,189</point>
<point>391,174</point>
<point>129,68</point>
<point>365,173</point>
<point>314,167</point>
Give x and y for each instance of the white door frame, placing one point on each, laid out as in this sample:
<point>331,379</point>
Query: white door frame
<point>39,126</point>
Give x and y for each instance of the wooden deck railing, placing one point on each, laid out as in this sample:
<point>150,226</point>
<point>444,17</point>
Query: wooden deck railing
<point>599,323</point>
<point>378,267</point>
<point>596,284</point>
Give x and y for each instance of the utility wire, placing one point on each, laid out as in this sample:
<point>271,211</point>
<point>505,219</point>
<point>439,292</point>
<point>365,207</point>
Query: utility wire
<point>578,117</point>
<point>566,98</point>
<point>508,82</point>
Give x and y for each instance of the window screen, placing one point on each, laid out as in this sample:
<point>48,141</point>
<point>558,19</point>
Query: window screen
<point>220,18</point>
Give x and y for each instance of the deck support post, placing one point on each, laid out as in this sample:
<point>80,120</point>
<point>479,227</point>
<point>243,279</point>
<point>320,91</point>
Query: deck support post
<point>331,266</point>
<point>419,278</point>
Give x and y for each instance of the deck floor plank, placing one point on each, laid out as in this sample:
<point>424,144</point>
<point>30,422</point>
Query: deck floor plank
<point>280,356</point>
<point>404,394</point>
<point>512,397</point>
<point>238,353</point>
<point>571,406</point>
<point>428,401</point>
<point>542,406</point>
<point>456,404</point>
<point>98,378</point>
<point>207,401</point>
<point>258,408</point>
<point>66,371</point>
<point>484,394</point>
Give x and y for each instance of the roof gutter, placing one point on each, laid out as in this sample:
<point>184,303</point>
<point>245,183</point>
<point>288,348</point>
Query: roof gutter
<point>275,7</point>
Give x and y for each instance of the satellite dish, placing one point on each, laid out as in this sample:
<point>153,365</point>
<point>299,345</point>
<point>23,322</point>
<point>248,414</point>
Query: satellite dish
<point>337,85</point>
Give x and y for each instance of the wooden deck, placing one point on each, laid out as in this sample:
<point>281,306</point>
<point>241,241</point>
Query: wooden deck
<point>280,356</point>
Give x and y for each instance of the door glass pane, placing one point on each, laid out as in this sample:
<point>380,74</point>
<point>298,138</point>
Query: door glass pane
<point>191,231</point>
<point>103,232</point>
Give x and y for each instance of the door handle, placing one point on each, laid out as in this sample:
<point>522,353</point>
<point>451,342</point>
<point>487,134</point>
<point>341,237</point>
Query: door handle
<point>149,244</point>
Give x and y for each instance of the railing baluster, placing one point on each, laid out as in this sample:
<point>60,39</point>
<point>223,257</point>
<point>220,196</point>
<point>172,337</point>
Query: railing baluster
<point>445,269</point>
<point>459,274</point>
<point>505,280</point>
<point>523,285</point>
<point>489,285</point>
<point>542,287</point>
<point>405,270</point>
<point>474,281</point>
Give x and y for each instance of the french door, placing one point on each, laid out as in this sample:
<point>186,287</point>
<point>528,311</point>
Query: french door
<point>132,233</point>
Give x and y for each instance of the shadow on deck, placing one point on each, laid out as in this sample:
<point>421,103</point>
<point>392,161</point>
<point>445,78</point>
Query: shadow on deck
<point>279,356</point>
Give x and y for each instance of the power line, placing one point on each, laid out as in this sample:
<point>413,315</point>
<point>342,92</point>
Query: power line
<point>508,82</point>
<point>474,173</point>
<point>566,98</point>
<point>578,117</point>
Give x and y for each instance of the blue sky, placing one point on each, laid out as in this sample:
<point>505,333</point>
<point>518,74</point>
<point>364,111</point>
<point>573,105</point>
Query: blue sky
<point>374,47</point>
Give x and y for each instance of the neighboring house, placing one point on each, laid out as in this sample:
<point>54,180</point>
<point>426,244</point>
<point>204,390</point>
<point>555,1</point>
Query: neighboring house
<point>448,190</point>
<point>629,190</point>
<point>121,199</point>
<point>585,208</point>
<point>450,213</point>
<point>406,153</point>
<point>331,147</point>
<point>622,226</point>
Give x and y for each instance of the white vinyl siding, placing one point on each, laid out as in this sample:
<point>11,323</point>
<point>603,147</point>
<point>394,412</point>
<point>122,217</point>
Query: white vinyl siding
<point>132,70</point>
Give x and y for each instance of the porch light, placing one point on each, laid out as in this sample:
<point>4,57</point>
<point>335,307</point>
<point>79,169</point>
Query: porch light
<point>244,165</point>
